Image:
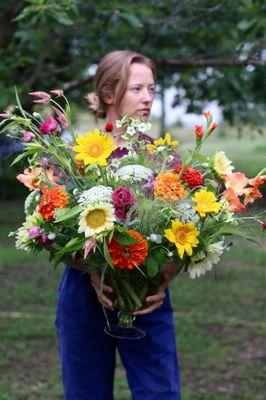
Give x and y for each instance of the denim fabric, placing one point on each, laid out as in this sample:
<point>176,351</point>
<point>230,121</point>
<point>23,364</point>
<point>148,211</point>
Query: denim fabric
<point>88,355</point>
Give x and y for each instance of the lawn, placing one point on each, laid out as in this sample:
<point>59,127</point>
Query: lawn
<point>220,325</point>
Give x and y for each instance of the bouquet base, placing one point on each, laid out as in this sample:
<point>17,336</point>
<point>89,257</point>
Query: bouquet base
<point>124,329</point>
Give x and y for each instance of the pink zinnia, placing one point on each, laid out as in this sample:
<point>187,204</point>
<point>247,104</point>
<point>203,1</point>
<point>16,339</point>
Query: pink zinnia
<point>124,199</point>
<point>49,126</point>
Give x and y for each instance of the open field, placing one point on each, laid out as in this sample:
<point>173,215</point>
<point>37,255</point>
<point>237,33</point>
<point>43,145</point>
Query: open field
<point>220,325</point>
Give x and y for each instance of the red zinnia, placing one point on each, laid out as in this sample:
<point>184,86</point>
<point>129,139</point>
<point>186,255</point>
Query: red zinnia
<point>50,200</point>
<point>190,175</point>
<point>128,256</point>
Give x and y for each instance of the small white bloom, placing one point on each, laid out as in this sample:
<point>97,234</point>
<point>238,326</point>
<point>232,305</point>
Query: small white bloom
<point>96,193</point>
<point>51,236</point>
<point>118,123</point>
<point>170,254</point>
<point>199,264</point>
<point>75,191</point>
<point>142,127</point>
<point>130,130</point>
<point>155,238</point>
<point>185,213</point>
<point>160,148</point>
<point>134,173</point>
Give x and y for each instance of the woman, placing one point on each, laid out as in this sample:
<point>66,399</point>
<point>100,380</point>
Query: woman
<point>125,83</point>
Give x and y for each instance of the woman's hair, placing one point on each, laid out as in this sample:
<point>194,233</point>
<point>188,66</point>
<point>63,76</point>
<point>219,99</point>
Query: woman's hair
<point>112,75</point>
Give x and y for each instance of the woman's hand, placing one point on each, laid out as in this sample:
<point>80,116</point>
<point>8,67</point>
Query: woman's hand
<point>96,284</point>
<point>171,270</point>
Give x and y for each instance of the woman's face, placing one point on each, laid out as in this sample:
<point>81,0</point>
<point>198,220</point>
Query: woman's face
<point>140,91</point>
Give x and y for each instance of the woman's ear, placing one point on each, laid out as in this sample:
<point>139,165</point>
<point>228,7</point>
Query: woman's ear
<point>109,99</point>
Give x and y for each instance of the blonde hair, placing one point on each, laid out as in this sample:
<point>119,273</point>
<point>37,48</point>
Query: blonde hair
<point>112,75</point>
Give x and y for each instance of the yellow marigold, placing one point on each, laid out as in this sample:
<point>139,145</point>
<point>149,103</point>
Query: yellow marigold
<point>94,148</point>
<point>184,236</point>
<point>162,142</point>
<point>206,202</point>
<point>168,188</point>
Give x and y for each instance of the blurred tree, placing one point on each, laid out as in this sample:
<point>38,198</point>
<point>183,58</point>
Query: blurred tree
<point>209,49</point>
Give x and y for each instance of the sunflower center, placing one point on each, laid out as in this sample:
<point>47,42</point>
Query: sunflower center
<point>181,237</point>
<point>95,150</point>
<point>95,218</point>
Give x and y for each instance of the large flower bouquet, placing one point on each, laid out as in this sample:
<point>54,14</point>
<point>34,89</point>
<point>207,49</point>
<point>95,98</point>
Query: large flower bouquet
<point>125,211</point>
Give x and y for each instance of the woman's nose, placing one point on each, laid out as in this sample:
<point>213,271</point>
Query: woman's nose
<point>147,96</point>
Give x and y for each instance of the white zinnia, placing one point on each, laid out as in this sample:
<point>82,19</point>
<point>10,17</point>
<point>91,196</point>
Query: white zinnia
<point>96,193</point>
<point>222,164</point>
<point>198,268</point>
<point>134,173</point>
<point>96,218</point>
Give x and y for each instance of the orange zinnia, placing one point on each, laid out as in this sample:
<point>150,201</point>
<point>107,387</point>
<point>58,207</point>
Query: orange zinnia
<point>168,188</point>
<point>128,256</point>
<point>50,200</point>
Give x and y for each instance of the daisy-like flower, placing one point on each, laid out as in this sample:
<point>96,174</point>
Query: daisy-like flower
<point>96,218</point>
<point>130,130</point>
<point>222,164</point>
<point>184,236</point>
<point>205,202</point>
<point>166,141</point>
<point>202,263</point>
<point>96,193</point>
<point>134,173</point>
<point>94,148</point>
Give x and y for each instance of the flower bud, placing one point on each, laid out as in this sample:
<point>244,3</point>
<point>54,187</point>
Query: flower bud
<point>28,136</point>
<point>44,162</point>
<point>108,127</point>
<point>34,232</point>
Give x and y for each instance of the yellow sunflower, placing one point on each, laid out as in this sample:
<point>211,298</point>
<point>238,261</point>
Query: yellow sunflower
<point>184,236</point>
<point>94,148</point>
<point>96,218</point>
<point>206,202</point>
<point>164,142</point>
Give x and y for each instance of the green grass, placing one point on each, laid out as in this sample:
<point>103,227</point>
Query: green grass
<point>220,325</point>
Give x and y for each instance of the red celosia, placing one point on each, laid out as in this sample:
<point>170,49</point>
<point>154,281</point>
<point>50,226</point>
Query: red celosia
<point>214,126</point>
<point>50,200</point>
<point>128,256</point>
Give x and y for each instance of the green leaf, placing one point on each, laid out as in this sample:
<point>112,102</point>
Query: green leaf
<point>152,266</point>
<point>63,19</point>
<point>19,104</point>
<point>132,20</point>
<point>69,213</point>
<point>107,254</point>
<point>73,244</point>
<point>21,156</point>
<point>125,239</point>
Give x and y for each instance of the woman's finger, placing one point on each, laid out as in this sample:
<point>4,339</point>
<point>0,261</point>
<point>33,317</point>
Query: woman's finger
<point>149,309</point>
<point>156,297</point>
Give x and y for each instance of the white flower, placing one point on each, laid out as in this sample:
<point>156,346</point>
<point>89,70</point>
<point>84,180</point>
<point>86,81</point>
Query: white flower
<point>222,164</point>
<point>170,254</point>
<point>142,127</point>
<point>96,193</point>
<point>160,148</point>
<point>185,213</point>
<point>23,241</point>
<point>51,236</point>
<point>134,173</point>
<point>75,191</point>
<point>130,130</point>
<point>200,263</point>
<point>155,238</point>
<point>118,123</point>
<point>96,218</point>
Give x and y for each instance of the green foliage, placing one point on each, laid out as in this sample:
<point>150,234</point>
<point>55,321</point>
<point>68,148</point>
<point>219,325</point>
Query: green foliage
<point>79,33</point>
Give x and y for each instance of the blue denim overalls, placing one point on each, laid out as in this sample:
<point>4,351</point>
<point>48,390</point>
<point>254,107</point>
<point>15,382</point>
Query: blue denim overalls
<point>88,354</point>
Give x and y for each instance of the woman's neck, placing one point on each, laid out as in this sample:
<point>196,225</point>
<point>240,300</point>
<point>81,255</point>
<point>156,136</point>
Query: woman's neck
<point>112,116</point>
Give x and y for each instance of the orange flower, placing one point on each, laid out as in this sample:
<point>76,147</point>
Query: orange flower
<point>207,114</point>
<point>33,178</point>
<point>168,188</point>
<point>199,131</point>
<point>129,256</point>
<point>236,181</point>
<point>253,193</point>
<point>50,200</point>
<point>235,204</point>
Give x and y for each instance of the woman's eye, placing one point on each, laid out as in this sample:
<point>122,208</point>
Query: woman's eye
<point>136,89</point>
